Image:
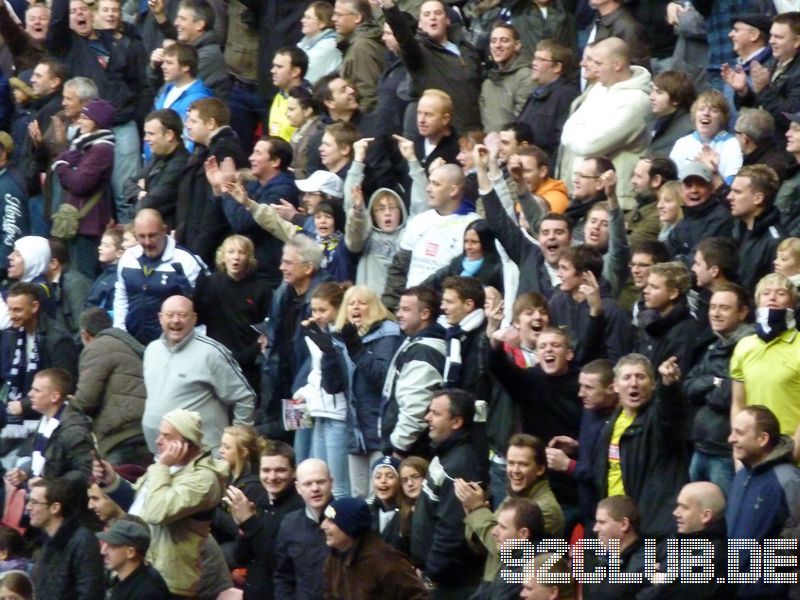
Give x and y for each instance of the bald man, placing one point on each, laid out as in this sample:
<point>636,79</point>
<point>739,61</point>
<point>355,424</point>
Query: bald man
<point>434,237</point>
<point>611,120</point>
<point>300,546</point>
<point>148,273</point>
<point>699,515</point>
<point>186,369</point>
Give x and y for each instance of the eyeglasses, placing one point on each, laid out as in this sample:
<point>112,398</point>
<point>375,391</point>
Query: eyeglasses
<point>542,59</point>
<point>33,502</point>
<point>584,176</point>
<point>410,478</point>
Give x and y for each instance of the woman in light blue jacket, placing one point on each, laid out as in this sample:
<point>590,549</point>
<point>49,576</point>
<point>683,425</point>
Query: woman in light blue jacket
<point>319,41</point>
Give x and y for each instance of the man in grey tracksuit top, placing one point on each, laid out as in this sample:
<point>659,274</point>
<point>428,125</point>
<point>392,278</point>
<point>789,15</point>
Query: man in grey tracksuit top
<point>186,369</point>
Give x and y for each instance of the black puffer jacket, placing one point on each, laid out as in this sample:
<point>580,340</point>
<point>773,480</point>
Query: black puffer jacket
<point>161,176</point>
<point>546,111</point>
<point>710,219</point>
<point>757,247</point>
<point>653,458</point>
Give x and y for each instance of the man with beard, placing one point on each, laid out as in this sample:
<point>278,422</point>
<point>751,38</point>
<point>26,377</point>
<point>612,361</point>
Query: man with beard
<point>649,174</point>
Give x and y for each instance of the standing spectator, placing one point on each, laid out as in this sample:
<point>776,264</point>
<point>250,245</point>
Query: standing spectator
<point>231,300</point>
<point>176,497</point>
<point>761,374</point>
<point>547,107</point>
<point>300,548</point>
<point>14,204</point>
<point>148,274</point>
<point>391,517</point>
<point>155,185</point>
<point>708,387</point>
<point>241,57</point>
<point>25,40</point>
<point>359,41</point>
<point>111,388</point>
<point>438,546</point>
<point>670,101</point>
<point>124,546</point>
<point>355,363</point>
<point>255,547</point>
<point>302,112</point>
<point>768,480</point>
<point>360,564</point>
<point>289,66</point>
<point>436,137</point>
<point>757,230</point>
<point>85,172</point>
<point>69,288</point>
<point>202,374</point>
<point>611,121</point>
<point>69,565</point>
<point>614,19</point>
<point>101,293</point>
<point>649,176</point>
<point>507,85</point>
<point>319,41</point>
<point>755,132</point>
<point>434,62</point>
<point>670,208</point>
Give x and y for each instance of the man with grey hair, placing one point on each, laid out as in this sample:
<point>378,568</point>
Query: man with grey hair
<point>287,359</point>
<point>755,131</point>
<point>359,39</point>
<point>186,369</point>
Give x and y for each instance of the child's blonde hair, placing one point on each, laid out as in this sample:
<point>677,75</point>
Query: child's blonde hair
<point>792,246</point>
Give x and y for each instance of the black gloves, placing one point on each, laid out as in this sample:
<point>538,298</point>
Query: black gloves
<point>321,338</point>
<point>351,338</point>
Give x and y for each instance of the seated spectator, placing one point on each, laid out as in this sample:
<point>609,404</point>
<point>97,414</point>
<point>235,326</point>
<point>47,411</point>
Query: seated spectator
<point>479,259</point>
<point>360,561</point>
<point>231,300</point>
<point>111,388</point>
<point>667,327</point>
<point>85,172</point>
<point>110,250</point>
<point>302,113</point>
<point>507,85</point>
<point>534,588</point>
<point>710,117</point>
<point>255,547</point>
<point>391,517</point>
<point>755,131</point>
<point>17,583</point>
<point>649,461</point>
<point>670,208</point>
<point>769,479</point>
<point>761,374</point>
<point>670,102</point>
<point>547,107</point>
<point>319,43</point>
<point>412,475</point>
<point>156,183</point>
<point>787,260</point>
<point>124,546</point>
<point>69,565</point>
<point>69,288</point>
<point>13,551</point>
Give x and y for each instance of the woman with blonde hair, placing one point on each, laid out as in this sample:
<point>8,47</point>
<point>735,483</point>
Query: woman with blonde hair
<point>355,362</point>
<point>232,299</point>
<point>669,207</point>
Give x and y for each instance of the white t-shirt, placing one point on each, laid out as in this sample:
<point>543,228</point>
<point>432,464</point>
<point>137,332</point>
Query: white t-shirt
<point>434,240</point>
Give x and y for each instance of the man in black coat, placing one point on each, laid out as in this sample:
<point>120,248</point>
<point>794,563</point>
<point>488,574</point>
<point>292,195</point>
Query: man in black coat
<point>123,546</point>
<point>156,185</point>
<point>255,547</point>
<point>438,546</point>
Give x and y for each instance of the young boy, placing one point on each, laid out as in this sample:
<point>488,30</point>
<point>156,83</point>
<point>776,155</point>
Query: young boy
<point>787,260</point>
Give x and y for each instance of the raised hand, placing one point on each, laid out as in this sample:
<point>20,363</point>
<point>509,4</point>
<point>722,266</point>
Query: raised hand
<point>670,371</point>
<point>759,75</point>
<point>734,77</point>
<point>406,147</point>
<point>360,149</point>
<point>357,198</point>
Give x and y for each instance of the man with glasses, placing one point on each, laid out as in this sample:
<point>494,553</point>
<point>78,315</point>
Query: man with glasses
<point>361,47</point>
<point>548,105</point>
<point>69,565</point>
<point>186,369</point>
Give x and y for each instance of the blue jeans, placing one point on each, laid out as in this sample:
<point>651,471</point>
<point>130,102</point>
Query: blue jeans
<point>329,443</point>
<point>127,163</point>
<point>302,445</point>
<point>247,111</point>
<point>36,222</point>
<point>716,469</point>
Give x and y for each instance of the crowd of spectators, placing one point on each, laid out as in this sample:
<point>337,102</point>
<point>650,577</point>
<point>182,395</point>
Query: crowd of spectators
<point>399,299</point>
